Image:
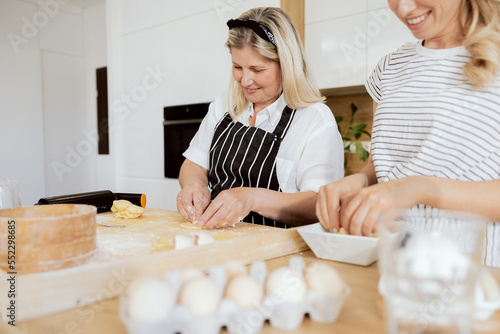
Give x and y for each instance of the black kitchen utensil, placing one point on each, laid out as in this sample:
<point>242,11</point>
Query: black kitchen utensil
<point>102,199</point>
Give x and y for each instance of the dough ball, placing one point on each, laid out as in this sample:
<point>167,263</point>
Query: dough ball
<point>184,241</point>
<point>324,279</point>
<point>190,273</point>
<point>203,238</point>
<point>287,285</point>
<point>245,292</point>
<point>235,268</point>
<point>125,209</point>
<point>149,299</point>
<point>201,296</point>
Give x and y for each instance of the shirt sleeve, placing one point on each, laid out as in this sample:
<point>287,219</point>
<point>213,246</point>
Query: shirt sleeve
<point>373,84</point>
<point>322,159</point>
<point>199,147</point>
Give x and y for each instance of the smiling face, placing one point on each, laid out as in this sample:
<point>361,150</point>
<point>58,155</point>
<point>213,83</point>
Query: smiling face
<point>435,21</point>
<point>260,78</point>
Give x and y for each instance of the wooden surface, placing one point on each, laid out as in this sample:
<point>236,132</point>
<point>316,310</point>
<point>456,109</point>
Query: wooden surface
<point>361,313</point>
<point>125,253</point>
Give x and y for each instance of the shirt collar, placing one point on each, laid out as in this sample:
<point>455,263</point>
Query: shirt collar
<point>272,113</point>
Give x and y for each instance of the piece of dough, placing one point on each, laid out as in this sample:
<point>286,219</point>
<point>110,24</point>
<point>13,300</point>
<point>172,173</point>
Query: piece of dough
<point>125,209</point>
<point>203,238</point>
<point>190,226</point>
<point>184,241</point>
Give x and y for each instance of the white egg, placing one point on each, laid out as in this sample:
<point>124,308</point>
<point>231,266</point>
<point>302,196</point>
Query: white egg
<point>201,296</point>
<point>184,241</point>
<point>235,268</point>
<point>324,279</point>
<point>190,273</point>
<point>149,299</point>
<point>245,292</point>
<point>286,285</point>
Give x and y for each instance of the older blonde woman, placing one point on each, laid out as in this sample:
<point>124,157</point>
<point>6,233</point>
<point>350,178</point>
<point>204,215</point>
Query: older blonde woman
<point>436,130</point>
<point>262,151</point>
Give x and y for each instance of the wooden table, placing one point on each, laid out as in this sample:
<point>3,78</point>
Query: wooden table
<point>362,311</point>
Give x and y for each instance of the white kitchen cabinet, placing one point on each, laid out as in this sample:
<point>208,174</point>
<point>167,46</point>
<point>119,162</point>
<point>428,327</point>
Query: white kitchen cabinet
<point>138,15</point>
<point>17,27</point>
<point>42,100</point>
<point>199,69</point>
<point>21,121</point>
<point>63,33</point>
<point>336,50</point>
<point>345,40</point>
<point>323,10</point>
<point>172,10</point>
<point>67,131</point>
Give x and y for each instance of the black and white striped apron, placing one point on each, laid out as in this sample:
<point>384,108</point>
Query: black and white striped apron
<point>245,156</point>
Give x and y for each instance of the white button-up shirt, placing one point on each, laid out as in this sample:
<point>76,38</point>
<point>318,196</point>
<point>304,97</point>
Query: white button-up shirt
<point>311,153</point>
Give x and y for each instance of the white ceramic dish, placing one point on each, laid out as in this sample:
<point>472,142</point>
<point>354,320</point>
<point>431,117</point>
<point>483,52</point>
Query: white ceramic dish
<point>340,247</point>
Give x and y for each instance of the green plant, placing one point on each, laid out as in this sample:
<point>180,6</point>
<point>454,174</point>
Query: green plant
<point>351,135</point>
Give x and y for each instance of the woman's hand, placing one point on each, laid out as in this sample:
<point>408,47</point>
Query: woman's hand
<point>194,197</point>
<point>192,201</point>
<point>388,200</point>
<point>228,208</point>
<point>334,195</point>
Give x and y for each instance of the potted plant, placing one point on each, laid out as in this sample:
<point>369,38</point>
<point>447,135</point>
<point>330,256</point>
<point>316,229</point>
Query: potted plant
<point>351,137</point>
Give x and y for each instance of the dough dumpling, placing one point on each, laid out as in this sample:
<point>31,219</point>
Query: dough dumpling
<point>124,209</point>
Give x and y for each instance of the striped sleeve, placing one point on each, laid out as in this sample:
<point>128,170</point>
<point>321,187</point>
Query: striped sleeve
<point>373,84</point>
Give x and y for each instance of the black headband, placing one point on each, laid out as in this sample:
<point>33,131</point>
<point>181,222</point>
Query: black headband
<point>258,28</point>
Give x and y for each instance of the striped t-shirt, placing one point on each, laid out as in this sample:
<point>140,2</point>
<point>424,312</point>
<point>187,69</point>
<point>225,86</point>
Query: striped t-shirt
<point>430,121</point>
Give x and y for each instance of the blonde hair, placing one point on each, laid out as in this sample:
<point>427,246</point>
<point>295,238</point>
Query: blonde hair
<point>299,87</point>
<point>481,22</point>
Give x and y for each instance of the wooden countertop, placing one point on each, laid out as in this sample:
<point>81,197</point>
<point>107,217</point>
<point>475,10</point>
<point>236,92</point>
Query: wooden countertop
<point>362,311</point>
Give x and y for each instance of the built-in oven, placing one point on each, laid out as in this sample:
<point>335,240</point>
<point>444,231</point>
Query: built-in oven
<point>179,126</point>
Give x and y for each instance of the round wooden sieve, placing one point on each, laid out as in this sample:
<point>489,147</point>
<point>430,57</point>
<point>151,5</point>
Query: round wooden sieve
<point>47,237</point>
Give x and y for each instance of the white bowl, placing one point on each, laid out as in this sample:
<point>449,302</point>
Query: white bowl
<point>340,247</point>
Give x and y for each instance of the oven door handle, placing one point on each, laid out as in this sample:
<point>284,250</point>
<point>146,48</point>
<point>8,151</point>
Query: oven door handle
<point>183,121</point>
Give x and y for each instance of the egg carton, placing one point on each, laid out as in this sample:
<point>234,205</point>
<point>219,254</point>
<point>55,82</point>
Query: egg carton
<point>285,316</point>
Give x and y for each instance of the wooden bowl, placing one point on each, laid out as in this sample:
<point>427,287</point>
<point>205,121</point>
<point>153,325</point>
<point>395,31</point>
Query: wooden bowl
<point>47,237</point>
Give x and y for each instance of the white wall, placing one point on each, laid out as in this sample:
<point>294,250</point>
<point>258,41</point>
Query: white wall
<point>345,39</point>
<point>95,50</point>
<point>21,117</point>
<point>45,109</point>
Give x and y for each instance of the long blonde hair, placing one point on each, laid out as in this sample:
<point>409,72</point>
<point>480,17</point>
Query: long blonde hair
<point>299,87</point>
<point>481,22</point>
